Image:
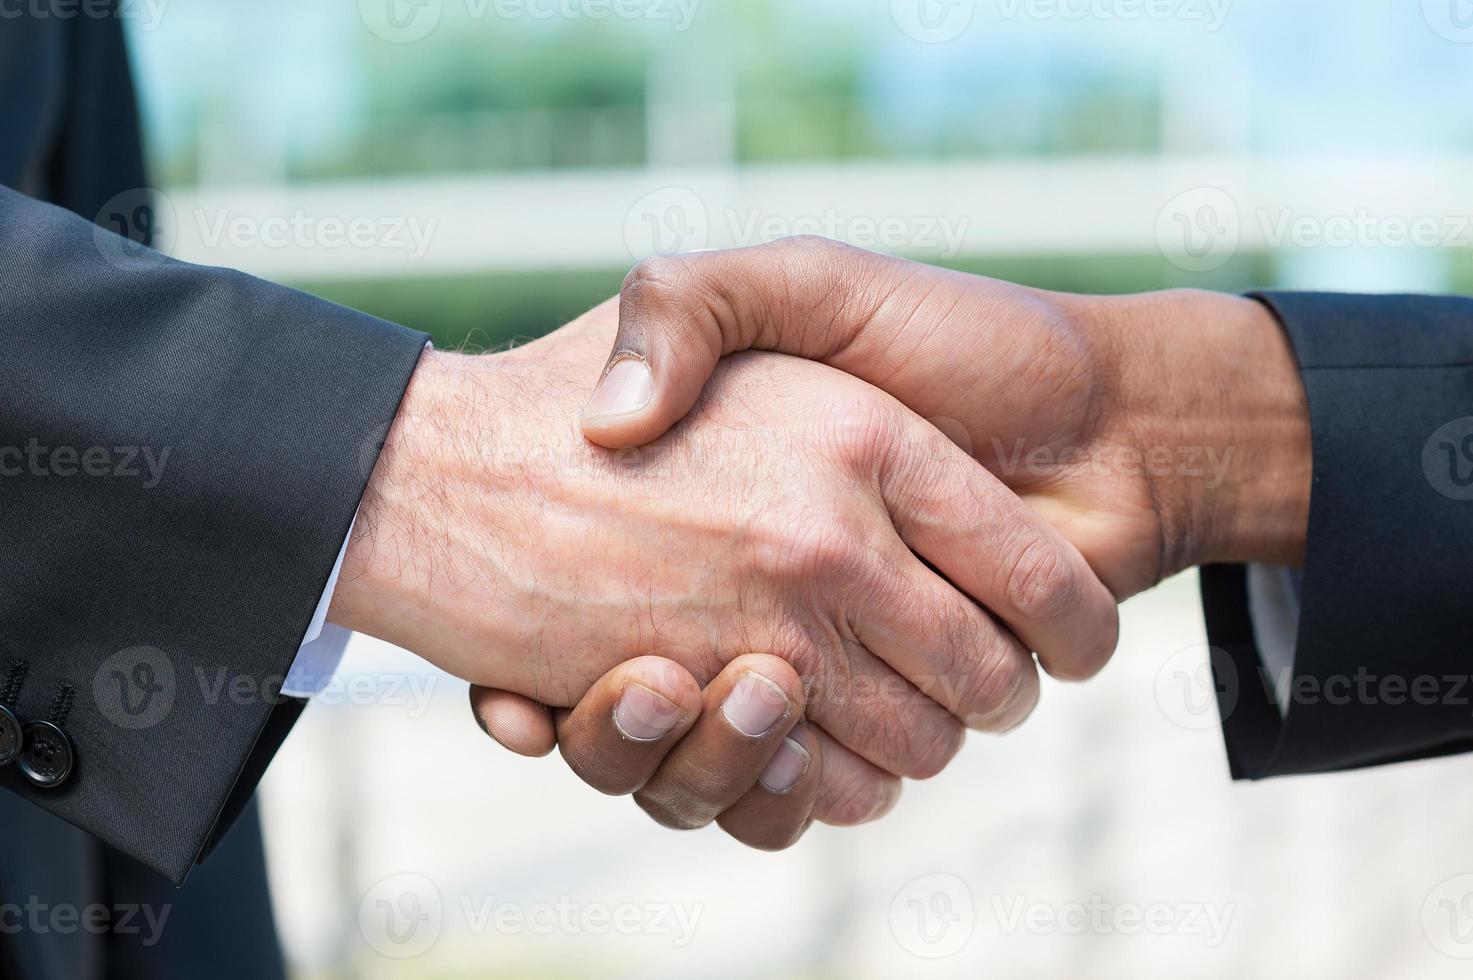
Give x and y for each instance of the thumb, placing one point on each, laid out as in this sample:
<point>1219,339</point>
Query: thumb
<point>679,315</point>
<point>667,346</point>
<point>517,722</point>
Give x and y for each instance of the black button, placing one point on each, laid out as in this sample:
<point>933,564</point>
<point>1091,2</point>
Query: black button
<point>11,738</point>
<point>48,757</point>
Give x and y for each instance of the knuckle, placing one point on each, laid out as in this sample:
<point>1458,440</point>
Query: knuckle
<point>811,245</point>
<point>930,750</point>
<point>994,688</point>
<point>703,790</point>
<point>767,836</point>
<point>817,546</point>
<point>1042,584</point>
<point>1100,648</point>
<point>914,736</point>
<point>809,663</point>
<point>853,801</point>
<point>673,808</point>
<point>670,819</point>
<point>591,767</point>
<point>862,430</point>
<point>655,280</point>
<point>982,669</point>
<point>957,638</point>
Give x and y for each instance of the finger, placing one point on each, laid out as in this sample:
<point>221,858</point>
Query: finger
<point>953,651</point>
<point>774,813</point>
<point>748,710</point>
<point>877,713</point>
<point>621,730</point>
<point>517,722</point>
<point>990,545</point>
<point>851,791</point>
<point>678,315</point>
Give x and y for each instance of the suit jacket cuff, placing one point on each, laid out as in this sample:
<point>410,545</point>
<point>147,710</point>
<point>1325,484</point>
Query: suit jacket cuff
<point>1385,638</point>
<point>158,613</point>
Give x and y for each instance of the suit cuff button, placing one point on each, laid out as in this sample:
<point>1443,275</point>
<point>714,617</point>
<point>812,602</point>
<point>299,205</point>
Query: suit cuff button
<point>48,757</point>
<point>11,736</point>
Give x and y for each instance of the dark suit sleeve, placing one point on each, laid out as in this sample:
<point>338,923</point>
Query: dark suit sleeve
<point>1384,652</point>
<point>182,451</point>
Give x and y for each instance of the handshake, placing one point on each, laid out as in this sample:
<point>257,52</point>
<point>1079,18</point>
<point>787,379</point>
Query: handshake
<point>761,589</point>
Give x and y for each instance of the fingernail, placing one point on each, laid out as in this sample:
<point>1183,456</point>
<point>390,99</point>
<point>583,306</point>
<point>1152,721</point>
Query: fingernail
<point>626,388</point>
<point>643,715</point>
<point>786,768</point>
<point>754,705</point>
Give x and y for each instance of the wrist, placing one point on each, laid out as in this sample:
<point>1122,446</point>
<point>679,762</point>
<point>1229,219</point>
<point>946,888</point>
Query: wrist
<point>400,543</point>
<point>1208,388</point>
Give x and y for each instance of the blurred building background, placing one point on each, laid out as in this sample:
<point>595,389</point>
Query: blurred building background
<point>487,169</point>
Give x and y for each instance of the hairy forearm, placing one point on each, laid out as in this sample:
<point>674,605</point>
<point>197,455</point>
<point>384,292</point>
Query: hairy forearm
<point>1210,381</point>
<point>379,584</point>
<point>409,553</point>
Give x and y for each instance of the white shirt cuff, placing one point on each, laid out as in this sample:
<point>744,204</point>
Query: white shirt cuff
<point>322,648</point>
<point>1273,606</point>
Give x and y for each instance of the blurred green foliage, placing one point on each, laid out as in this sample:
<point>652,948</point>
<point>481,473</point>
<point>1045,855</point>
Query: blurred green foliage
<point>495,101</point>
<point>495,95</point>
<point>477,313</point>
